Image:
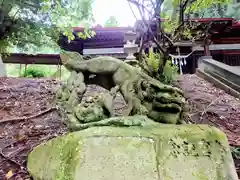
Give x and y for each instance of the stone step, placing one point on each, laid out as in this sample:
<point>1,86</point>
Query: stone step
<point>228,75</point>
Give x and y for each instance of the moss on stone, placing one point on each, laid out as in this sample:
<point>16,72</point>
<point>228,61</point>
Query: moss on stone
<point>143,94</point>
<point>69,157</point>
<point>194,152</point>
<point>60,157</point>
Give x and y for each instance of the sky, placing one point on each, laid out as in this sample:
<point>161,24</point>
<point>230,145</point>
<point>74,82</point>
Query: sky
<point>103,9</point>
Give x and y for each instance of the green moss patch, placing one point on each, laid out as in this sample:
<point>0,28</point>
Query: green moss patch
<point>188,152</point>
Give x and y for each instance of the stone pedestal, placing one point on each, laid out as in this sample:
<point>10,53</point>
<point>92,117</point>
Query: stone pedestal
<point>177,152</point>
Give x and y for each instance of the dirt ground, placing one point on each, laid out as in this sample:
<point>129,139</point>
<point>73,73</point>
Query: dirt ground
<point>27,116</point>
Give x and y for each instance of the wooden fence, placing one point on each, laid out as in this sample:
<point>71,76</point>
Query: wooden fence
<point>48,59</point>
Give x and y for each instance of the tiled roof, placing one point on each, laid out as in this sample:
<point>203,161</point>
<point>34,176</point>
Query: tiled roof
<point>113,37</point>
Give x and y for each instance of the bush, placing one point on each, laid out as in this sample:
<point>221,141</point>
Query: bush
<point>170,72</point>
<point>34,72</point>
<point>152,63</point>
<point>235,152</point>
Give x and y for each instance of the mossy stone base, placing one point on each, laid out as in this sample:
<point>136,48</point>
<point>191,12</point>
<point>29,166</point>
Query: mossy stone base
<point>159,152</point>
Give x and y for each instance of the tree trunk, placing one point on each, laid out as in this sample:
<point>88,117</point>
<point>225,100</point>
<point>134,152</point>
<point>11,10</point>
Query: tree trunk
<point>164,61</point>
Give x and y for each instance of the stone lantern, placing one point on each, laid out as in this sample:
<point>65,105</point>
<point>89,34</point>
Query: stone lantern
<point>130,47</point>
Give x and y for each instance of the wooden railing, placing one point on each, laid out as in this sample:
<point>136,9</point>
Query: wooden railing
<point>48,59</point>
<point>54,59</point>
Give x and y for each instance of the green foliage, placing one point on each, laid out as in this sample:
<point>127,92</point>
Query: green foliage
<point>28,25</point>
<point>195,8</point>
<point>152,63</point>
<point>170,73</point>
<point>222,10</point>
<point>235,152</point>
<point>200,5</point>
<point>86,34</point>
<point>232,10</point>
<point>14,70</point>
<point>34,73</point>
<point>111,22</point>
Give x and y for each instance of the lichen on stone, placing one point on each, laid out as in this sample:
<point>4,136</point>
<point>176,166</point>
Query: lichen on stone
<point>173,153</point>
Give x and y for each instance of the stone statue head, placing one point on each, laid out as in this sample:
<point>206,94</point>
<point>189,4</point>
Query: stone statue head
<point>66,55</point>
<point>91,110</point>
<point>165,104</point>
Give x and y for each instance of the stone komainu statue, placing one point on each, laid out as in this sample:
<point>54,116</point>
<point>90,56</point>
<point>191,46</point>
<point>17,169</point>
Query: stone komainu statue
<point>144,95</point>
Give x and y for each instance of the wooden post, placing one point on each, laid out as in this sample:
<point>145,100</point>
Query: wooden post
<point>60,73</point>
<point>20,70</point>
<point>207,51</point>
<point>25,70</point>
<point>2,67</point>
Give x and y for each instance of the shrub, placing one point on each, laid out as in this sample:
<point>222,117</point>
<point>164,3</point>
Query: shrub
<point>152,63</point>
<point>235,152</point>
<point>34,72</point>
<point>170,72</point>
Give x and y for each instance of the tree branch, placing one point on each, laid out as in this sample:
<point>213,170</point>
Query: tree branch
<point>184,5</point>
<point>28,117</point>
<point>132,10</point>
<point>139,6</point>
<point>181,20</point>
<point>147,24</point>
<point>207,108</point>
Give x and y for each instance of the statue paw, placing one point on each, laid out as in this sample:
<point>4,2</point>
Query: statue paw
<point>142,110</point>
<point>114,90</point>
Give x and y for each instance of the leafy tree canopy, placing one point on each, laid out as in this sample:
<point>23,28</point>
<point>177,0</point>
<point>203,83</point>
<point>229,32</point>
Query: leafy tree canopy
<point>175,26</point>
<point>174,9</point>
<point>28,25</point>
<point>230,10</point>
<point>175,13</point>
<point>111,22</point>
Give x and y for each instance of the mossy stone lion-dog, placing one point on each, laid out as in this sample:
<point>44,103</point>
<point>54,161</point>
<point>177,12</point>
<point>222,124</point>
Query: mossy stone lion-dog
<point>144,95</point>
